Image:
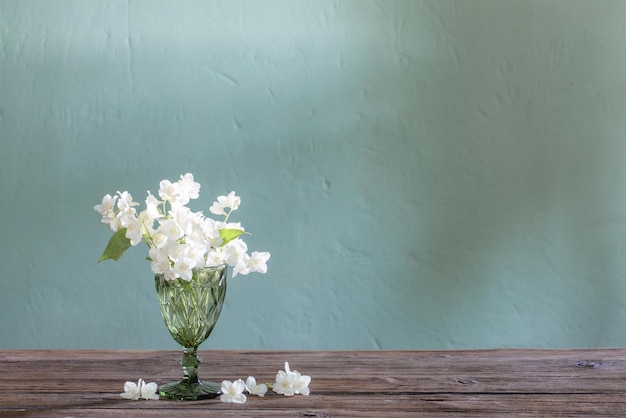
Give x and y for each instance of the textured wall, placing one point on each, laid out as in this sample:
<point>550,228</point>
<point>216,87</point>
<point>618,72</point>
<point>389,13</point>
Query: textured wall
<point>426,174</point>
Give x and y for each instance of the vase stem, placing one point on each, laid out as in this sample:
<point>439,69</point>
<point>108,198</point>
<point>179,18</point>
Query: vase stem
<point>190,362</point>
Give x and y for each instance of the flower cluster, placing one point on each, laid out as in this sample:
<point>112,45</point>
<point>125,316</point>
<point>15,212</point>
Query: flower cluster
<point>179,240</point>
<point>291,383</point>
<point>287,383</point>
<point>141,389</point>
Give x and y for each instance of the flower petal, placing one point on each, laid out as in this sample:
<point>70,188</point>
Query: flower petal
<point>149,391</point>
<point>233,391</point>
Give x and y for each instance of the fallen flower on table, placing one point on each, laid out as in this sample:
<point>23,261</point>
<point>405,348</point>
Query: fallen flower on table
<point>291,383</point>
<point>255,389</point>
<point>288,382</point>
<point>141,389</point>
<point>233,391</point>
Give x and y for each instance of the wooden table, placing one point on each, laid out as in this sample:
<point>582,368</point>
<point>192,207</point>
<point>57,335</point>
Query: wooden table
<point>63,383</point>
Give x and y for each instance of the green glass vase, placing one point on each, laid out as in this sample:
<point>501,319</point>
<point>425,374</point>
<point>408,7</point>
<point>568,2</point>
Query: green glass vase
<point>190,310</point>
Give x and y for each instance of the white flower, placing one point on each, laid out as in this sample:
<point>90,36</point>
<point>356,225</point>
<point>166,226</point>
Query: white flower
<point>211,232</point>
<point>241,268</point>
<point>183,269</point>
<point>184,218</point>
<point>171,230</point>
<point>180,192</point>
<point>302,384</point>
<point>127,214</point>
<point>231,202</point>
<point>183,261</point>
<point>196,252</point>
<point>107,205</point>
<point>196,234</point>
<point>127,217</point>
<point>189,187</point>
<point>285,384</point>
<point>149,391</point>
<point>258,262</point>
<point>151,213</point>
<point>233,391</point>
<point>235,252</point>
<point>147,221</point>
<point>107,210</point>
<point>255,389</point>
<point>133,230</point>
<point>125,203</point>
<point>290,383</point>
<point>161,262</point>
<point>169,191</point>
<point>141,389</point>
<point>214,258</point>
<point>159,240</point>
<point>132,390</point>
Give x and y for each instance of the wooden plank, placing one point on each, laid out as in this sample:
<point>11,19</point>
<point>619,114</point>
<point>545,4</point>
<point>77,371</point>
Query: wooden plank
<point>345,405</point>
<point>348,383</point>
<point>366,373</point>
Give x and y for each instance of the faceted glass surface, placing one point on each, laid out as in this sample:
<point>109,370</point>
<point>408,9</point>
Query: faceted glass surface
<point>190,311</point>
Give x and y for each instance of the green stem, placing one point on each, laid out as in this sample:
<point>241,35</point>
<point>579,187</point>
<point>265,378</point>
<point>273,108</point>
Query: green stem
<point>190,362</point>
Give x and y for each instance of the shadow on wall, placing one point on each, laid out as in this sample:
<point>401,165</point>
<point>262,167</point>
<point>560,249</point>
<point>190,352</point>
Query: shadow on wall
<point>477,167</point>
<point>522,157</point>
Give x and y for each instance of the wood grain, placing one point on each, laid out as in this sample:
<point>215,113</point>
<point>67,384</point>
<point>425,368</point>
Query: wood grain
<point>87,383</point>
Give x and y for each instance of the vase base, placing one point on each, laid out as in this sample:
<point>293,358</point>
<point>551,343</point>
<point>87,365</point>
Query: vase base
<point>184,391</point>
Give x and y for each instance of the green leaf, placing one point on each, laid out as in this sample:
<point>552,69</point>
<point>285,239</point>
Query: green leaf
<point>116,247</point>
<point>229,234</point>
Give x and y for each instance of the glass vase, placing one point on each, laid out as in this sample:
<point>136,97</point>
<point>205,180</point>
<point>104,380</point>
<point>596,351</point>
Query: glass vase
<point>190,310</point>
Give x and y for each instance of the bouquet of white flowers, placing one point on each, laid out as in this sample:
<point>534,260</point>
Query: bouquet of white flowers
<point>178,239</point>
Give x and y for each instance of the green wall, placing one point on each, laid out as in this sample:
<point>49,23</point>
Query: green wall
<point>426,174</point>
